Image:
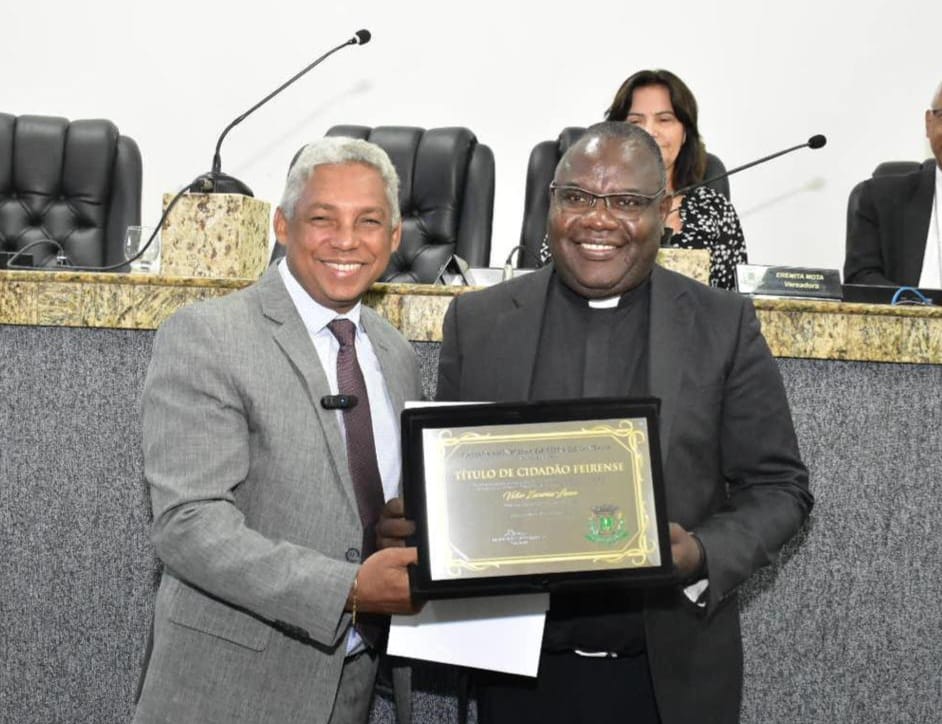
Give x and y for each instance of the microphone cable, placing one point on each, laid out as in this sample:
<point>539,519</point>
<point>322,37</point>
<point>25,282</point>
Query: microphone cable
<point>109,267</point>
<point>521,250</point>
<point>60,254</point>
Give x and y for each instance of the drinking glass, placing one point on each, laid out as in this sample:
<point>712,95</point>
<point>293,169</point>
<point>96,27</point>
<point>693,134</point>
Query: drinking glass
<point>149,261</point>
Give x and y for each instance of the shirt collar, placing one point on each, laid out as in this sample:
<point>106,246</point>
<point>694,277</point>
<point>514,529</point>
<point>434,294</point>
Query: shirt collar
<point>607,303</point>
<point>625,300</point>
<point>314,315</point>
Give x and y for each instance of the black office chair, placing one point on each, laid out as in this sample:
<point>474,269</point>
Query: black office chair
<point>446,197</point>
<point>540,170</point>
<point>77,183</point>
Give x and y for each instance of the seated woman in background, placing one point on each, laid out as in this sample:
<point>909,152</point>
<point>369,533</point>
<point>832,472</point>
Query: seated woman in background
<point>660,102</point>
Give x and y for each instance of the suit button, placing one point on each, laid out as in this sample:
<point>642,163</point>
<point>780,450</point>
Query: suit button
<point>353,555</point>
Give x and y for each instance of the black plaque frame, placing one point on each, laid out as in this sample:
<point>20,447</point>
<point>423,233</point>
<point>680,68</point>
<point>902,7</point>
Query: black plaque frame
<point>415,494</point>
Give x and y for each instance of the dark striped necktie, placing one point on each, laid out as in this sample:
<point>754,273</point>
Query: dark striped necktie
<point>361,460</point>
<point>358,424</point>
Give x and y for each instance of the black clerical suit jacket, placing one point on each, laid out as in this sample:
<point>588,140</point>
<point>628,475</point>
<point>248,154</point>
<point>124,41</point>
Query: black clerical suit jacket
<point>732,468</point>
<point>886,233</point>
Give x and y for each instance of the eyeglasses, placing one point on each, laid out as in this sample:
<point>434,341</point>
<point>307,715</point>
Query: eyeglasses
<point>937,112</point>
<point>579,201</point>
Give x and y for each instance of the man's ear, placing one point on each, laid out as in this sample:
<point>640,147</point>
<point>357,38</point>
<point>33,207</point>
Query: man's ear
<point>280,225</point>
<point>395,237</point>
<point>664,208</point>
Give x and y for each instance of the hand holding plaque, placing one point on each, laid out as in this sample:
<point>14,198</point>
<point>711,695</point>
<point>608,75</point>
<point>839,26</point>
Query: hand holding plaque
<point>382,583</point>
<point>687,553</point>
<point>393,527</point>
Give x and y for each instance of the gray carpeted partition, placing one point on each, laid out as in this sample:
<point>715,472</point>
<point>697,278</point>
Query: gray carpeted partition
<point>847,628</point>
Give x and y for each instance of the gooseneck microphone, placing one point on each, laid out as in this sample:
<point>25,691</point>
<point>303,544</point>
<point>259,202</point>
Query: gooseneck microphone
<point>216,182</point>
<point>339,402</point>
<point>814,142</point>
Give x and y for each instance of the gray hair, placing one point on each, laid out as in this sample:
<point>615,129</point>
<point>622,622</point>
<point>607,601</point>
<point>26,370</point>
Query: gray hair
<point>936,97</point>
<point>627,133</point>
<point>339,149</point>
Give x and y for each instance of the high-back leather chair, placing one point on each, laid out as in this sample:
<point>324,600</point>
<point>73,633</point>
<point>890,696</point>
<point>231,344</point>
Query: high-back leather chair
<point>446,197</point>
<point>76,183</point>
<point>542,165</point>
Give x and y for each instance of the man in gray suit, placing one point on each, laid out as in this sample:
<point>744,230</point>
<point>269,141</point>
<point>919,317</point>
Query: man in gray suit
<point>257,516</point>
<point>604,320</point>
<point>894,235</point>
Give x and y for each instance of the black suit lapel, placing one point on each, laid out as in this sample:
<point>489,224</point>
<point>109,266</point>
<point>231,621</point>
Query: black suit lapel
<point>517,336</point>
<point>916,212</point>
<point>672,317</point>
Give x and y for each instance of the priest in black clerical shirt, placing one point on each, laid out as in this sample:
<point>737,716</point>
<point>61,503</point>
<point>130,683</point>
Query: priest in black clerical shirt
<point>605,321</point>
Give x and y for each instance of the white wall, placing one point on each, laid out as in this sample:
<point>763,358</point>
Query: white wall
<point>767,75</point>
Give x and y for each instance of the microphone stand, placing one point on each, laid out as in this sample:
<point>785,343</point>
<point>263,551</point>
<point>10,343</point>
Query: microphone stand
<point>217,182</point>
<point>813,143</point>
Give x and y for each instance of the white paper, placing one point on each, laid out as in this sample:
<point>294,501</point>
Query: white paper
<point>498,633</point>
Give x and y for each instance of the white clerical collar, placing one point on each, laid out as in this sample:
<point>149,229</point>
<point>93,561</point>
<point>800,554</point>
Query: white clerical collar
<point>612,302</point>
<point>314,315</point>
<point>607,303</point>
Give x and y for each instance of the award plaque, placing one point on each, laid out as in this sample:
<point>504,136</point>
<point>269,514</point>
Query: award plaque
<point>544,496</point>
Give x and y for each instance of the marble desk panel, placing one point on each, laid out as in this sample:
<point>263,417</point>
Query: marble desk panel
<point>802,329</point>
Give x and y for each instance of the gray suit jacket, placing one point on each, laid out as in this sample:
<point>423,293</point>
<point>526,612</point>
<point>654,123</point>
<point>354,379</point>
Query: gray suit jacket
<point>886,233</point>
<point>255,517</point>
<point>731,464</point>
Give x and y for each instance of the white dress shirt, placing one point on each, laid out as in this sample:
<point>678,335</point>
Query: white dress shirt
<point>931,277</point>
<point>385,421</point>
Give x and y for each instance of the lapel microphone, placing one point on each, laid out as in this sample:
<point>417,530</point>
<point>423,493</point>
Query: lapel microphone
<point>339,402</point>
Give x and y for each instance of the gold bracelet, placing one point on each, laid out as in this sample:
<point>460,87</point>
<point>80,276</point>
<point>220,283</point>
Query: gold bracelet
<point>353,606</point>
